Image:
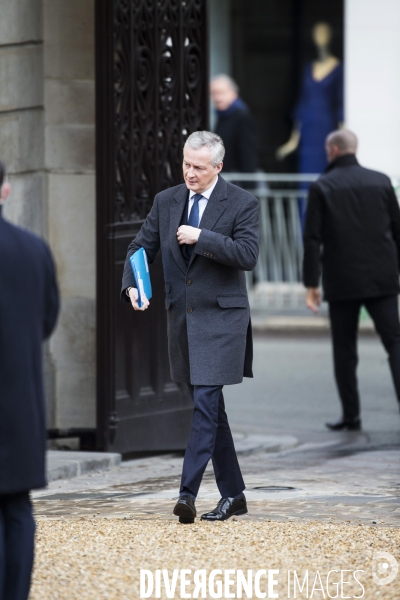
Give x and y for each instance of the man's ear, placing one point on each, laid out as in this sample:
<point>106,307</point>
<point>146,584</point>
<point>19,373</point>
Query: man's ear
<point>5,191</point>
<point>336,151</point>
<point>219,167</point>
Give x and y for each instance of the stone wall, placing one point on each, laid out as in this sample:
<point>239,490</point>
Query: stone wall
<point>21,110</point>
<point>47,139</point>
<point>69,159</point>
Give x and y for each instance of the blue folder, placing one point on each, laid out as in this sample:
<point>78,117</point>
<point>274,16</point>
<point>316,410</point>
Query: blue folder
<point>140,269</point>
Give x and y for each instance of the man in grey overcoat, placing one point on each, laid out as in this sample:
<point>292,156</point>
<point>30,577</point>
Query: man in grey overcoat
<point>207,230</point>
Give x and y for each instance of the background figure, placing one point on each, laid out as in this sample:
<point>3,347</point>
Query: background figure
<point>235,125</point>
<point>28,312</point>
<point>319,109</point>
<point>353,213</point>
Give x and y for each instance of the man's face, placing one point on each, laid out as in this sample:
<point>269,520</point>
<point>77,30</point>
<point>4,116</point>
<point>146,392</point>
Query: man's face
<point>198,171</point>
<point>222,94</point>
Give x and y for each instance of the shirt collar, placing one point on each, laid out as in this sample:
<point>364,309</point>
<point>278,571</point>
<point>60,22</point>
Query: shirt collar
<point>207,193</point>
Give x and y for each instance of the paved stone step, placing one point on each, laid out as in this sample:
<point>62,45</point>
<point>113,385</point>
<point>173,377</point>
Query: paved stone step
<point>66,464</point>
<point>301,325</point>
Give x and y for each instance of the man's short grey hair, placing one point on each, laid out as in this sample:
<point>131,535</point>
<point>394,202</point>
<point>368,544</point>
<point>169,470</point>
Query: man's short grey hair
<point>199,139</point>
<point>344,139</point>
<point>228,79</point>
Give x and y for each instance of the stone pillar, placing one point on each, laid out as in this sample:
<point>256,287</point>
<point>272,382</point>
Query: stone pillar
<point>21,111</point>
<point>69,161</point>
<point>22,130</point>
<point>372,81</point>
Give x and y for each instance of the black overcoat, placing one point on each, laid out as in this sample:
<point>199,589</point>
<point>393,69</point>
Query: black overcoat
<point>352,229</point>
<point>28,312</point>
<point>238,132</point>
<point>209,329</point>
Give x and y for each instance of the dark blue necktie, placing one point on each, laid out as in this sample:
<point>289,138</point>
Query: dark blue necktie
<point>193,220</point>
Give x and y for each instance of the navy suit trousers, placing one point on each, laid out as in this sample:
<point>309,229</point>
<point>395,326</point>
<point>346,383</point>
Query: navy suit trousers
<point>210,438</point>
<point>17,538</point>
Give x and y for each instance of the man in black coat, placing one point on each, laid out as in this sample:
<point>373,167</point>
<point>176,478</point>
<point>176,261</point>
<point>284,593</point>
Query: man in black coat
<point>353,215</point>
<point>28,312</point>
<point>235,125</point>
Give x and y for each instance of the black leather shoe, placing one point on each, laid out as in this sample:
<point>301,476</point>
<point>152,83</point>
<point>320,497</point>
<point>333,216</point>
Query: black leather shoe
<point>345,425</point>
<point>226,508</point>
<point>185,509</point>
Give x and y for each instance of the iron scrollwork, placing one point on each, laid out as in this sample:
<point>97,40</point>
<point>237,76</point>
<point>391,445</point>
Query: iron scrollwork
<point>160,96</point>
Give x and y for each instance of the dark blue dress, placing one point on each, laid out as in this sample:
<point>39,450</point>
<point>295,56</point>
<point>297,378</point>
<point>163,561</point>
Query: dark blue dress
<point>318,112</point>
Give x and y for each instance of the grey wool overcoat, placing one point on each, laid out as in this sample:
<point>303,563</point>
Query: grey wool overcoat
<point>209,328</point>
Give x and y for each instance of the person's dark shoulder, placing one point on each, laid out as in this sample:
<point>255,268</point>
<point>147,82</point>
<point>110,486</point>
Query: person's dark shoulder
<point>27,250</point>
<point>27,239</point>
<point>377,177</point>
<point>239,195</point>
<point>332,178</point>
<point>357,172</point>
<point>331,174</point>
<point>171,192</point>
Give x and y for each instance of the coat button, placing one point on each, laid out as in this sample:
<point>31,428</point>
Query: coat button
<point>189,282</point>
<point>190,309</point>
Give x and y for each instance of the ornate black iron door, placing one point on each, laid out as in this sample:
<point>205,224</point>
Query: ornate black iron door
<point>151,92</point>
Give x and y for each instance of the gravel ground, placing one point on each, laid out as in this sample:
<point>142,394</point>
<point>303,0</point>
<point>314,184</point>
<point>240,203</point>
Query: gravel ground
<point>312,507</point>
<point>101,558</point>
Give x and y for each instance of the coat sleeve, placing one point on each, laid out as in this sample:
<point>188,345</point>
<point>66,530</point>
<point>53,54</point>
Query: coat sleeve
<point>394,212</point>
<point>312,239</point>
<point>240,250</point>
<point>147,238</point>
<point>52,302</point>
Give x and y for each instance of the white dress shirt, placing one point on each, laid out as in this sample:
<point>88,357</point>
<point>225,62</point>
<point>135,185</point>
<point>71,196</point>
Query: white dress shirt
<point>203,202</point>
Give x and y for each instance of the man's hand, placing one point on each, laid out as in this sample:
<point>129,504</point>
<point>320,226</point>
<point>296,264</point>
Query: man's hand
<point>313,299</point>
<point>187,234</point>
<point>134,296</point>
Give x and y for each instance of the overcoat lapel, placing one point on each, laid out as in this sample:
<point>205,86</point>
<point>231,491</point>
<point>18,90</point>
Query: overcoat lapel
<point>214,209</point>
<point>175,215</point>
<point>215,206</point>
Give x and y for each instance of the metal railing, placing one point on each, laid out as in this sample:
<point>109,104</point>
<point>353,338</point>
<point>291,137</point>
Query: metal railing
<point>276,280</point>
